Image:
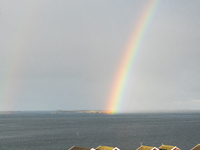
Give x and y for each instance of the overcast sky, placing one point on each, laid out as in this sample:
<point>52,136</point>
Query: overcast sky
<point>64,54</point>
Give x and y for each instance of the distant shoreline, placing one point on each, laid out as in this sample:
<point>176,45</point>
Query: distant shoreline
<point>99,112</point>
<point>82,111</point>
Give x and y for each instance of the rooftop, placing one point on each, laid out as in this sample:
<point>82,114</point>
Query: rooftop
<point>104,148</point>
<point>166,147</point>
<point>146,147</point>
<point>80,148</point>
<point>197,147</point>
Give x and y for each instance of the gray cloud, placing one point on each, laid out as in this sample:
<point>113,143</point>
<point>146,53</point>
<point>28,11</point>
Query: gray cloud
<point>64,54</point>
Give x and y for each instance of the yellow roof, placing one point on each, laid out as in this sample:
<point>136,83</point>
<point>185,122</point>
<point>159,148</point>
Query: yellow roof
<point>166,147</point>
<point>104,148</point>
<point>197,147</point>
<point>145,147</point>
<point>80,148</point>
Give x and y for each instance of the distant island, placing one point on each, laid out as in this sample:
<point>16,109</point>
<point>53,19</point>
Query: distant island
<point>81,111</point>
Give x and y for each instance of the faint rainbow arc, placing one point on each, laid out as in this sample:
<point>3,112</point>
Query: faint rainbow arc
<point>128,59</point>
<point>9,89</point>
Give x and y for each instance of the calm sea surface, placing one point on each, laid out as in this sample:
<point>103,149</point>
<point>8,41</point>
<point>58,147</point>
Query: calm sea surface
<point>46,131</point>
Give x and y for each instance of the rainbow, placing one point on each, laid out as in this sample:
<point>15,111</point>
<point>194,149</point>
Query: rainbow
<point>16,48</point>
<point>129,57</point>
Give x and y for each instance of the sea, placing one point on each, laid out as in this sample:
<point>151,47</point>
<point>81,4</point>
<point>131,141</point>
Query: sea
<point>48,131</point>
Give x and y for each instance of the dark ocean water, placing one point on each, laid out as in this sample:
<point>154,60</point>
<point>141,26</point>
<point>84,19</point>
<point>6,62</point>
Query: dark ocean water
<point>46,131</point>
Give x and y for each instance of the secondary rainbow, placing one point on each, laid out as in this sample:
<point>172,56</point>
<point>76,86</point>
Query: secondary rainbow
<point>16,47</point>
<point>128,59</point>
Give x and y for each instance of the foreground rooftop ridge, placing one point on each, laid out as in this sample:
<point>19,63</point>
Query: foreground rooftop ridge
<point>142,147</point>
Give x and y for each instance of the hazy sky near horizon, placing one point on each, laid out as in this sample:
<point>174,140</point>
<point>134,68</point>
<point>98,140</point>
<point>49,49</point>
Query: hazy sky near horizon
<point>64,54</point>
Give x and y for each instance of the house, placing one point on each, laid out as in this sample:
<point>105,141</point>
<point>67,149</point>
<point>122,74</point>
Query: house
<point>80,148</point>
<point>106,148</point>
<point>168,147</point>
<point>142,147</point>
<point>197,147</point>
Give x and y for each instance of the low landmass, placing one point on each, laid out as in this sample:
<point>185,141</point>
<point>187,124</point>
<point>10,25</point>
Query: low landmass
<point>82,111</point>
<point>9,112</point>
